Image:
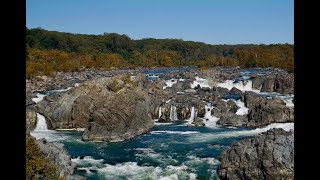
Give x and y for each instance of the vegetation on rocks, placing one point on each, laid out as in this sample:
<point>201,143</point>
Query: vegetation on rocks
<point>37,166</point>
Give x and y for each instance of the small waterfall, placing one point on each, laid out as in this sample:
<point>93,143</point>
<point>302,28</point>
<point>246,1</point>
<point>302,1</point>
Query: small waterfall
<point>243,110</point>
<point>241,85</point>
<point>41,123</point>
<point>192,115</point>
<point>200,81</point>
<point>173,113</point>
<point>210,120</point>
<point>160,113</point>
<point>38,98</point>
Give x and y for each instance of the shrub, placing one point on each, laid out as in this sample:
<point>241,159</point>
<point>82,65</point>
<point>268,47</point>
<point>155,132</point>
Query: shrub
<point>37,166</point>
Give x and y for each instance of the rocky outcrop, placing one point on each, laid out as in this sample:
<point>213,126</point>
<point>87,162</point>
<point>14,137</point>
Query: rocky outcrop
<point>282,83</point>
<point>263,111</point>
<point>156,88</point>
<point>60,158</point>
<point>111,109</point>
<point>181,85</point>
<point>29,101</point>
<point>31,120</point>
<point>230,119</point>
<point>267,156</point>
<point>124,116</point>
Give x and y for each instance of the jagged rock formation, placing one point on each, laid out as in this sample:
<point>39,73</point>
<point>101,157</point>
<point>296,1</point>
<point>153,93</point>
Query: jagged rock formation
<point>269,155</point>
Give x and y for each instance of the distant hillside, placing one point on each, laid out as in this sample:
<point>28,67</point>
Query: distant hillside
<point>50,51</point>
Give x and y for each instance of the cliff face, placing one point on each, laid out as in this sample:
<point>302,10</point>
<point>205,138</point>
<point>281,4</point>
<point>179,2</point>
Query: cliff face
<point>269,155</point>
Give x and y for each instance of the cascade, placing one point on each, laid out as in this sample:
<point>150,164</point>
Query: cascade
<point>41,123</point>
<point>209,120</point>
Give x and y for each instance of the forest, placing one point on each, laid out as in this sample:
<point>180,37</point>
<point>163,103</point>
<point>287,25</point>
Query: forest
<point>48,52</point>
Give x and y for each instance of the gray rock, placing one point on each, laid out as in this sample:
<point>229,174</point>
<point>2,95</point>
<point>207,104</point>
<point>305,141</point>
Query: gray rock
<point>181,86</point>
<point>281,82</point>
<point>230,119</point>
<point>236,91</point>
<point>29,101</point>
<point>58,155</point>
<point>263,111</point>
<point>109,109</point>
<point>156,88</point>
<point>198,122</point>
<point>123,116</point>
<point>267,156</point>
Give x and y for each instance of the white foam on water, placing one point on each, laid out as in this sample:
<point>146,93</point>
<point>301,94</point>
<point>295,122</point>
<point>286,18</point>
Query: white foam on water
<point>174,132</point>
<point>156,123</point>
<point>61,90</point>
<point>204,137</point>
<point>196,160</point>
<point>170,82</point>
<point>243,110</point>
<point>209,120</point>
<point>87,160</point>
<point>229,84</point>
<point>147,152</point>
<point>200,81</point>
<point>287,100</point>
<point>50,135</point>
<point>171,177</point>
<point>41,96</point>
<point>38,98</point>
<point>76,84</point>
<point>192,176</point>
<point>132,171</point>
<point>41,123</point>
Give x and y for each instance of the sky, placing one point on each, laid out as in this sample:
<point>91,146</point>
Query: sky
<point>209,21</point>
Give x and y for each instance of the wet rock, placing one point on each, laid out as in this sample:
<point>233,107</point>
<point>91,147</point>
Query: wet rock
<point>198,122</point>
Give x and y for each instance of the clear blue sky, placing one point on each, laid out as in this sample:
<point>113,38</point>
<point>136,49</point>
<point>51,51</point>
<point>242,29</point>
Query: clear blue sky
<point>209,21</point>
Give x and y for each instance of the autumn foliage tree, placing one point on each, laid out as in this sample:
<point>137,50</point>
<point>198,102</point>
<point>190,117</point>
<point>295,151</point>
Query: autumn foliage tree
<point>50,51</point>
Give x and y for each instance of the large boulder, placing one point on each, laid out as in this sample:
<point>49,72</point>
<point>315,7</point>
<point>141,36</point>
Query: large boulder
<point>123,116</point>
<point>231,119</point>
<point>198,122</point>
<point>181,85</point>
<point>263,111</point>
<point>267,156</point>
<point>222,107</point>
<point>111,109</point>
<point>236,91</point>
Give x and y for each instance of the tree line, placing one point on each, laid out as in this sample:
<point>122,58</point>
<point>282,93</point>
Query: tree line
<point>52,51</point>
